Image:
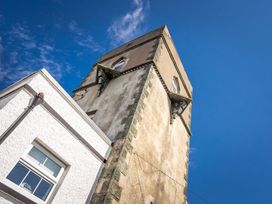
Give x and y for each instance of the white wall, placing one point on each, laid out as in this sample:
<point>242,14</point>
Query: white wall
<point>6,99</point>
<point>13,109</point>
<point>42,126</point>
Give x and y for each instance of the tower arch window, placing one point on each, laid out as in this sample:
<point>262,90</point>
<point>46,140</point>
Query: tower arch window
<point>175,85</point>
<point>119,64</point>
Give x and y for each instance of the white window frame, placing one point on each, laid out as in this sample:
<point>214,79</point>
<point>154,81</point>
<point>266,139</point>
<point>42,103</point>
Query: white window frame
<point>26,160</point>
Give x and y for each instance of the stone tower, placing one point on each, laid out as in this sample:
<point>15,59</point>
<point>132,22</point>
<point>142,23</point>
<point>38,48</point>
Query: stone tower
<point>140,96</point>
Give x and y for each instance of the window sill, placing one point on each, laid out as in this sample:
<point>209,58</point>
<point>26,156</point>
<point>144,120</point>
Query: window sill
<point>19,193</point>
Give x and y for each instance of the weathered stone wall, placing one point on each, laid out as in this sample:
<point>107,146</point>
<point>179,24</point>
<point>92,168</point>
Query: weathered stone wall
<point>157,158</point>
<point>149,158</point>
<point>174,54</point>
<point>168,70</point>
<point>124,105</point>
<point>115,105</point>
<point>149,163</point>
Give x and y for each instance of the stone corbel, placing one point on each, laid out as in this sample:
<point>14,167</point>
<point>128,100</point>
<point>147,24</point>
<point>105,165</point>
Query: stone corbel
<point>102,80</point>
<point>104,75</point>
<point>178,105</point>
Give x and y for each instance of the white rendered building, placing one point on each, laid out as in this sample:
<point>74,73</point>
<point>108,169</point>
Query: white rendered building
<point>50,151</point>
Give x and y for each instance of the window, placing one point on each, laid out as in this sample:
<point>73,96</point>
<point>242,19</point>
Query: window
<point>175,85</point>
<point>91,114</point>
<point>37,172</point>
<point>118,66</point>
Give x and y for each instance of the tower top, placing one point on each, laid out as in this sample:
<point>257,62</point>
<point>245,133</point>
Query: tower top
<point>155,48</point>
<point>146,49</point>
<point>149,44</point>
<point>135,42</point>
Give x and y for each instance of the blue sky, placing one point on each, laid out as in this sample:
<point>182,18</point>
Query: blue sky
<point>225,46</point>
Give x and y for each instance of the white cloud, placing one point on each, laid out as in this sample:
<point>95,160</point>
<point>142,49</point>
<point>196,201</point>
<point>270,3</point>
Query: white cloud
<point>14,57</point>
<point>60,2</point>
<point>83,39</point>
<point>22,35</point>
<point>18,31</point>
<point>46,59</point>
<point>88,42</point>
<point>2,71</point>
<point>74,27</point>
<point>129,25</point>
<point>193,150</point>
<point>24,55</point>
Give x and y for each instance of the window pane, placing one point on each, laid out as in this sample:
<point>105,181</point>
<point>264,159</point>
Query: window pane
<point>37,155</point>
<point>43,190</point>
<point>119,66</point>
<point>52,167</point>
<point>17,173</point>
<point>31,181</point>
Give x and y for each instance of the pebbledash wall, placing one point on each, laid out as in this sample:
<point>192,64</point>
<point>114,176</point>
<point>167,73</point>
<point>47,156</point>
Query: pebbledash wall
<point>59,125</point>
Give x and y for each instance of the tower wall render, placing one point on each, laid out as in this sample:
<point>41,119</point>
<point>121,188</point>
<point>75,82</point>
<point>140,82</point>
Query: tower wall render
<point>156,166</point>
<point>149,158</point>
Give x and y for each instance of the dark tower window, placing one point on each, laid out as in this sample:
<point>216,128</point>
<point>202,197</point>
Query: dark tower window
<point>119,64</point>
<point>91,114</point>
<point>175,85</point>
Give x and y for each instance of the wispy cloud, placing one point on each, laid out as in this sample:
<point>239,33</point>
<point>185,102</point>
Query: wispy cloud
<point>2,70</point>
<point>192,151</point>
<point>73,27</point>
<point>24,54</point>
<point>24,50</point>
<point>1,17</point>
<point>129,25</point>
<point>18,31</point>
<point>83,39</point>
